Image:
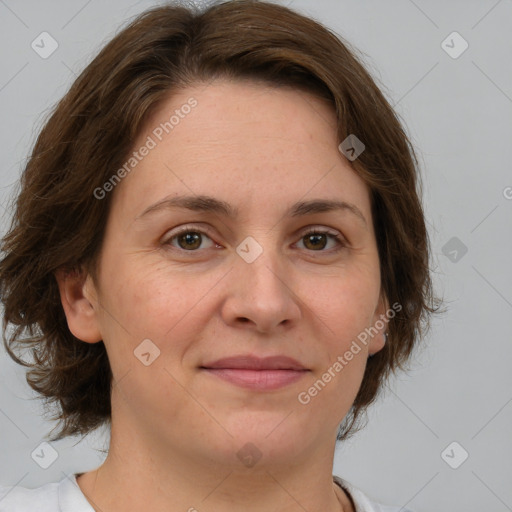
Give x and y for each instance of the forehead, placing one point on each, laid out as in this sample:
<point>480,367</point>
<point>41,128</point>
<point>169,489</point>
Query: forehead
<point>241,140</point>
<point>228,111</point>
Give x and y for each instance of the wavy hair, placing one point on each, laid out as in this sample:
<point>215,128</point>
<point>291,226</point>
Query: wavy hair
<point>58,223</point>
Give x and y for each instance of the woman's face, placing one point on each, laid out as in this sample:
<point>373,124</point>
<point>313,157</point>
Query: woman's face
<point>231,271</point>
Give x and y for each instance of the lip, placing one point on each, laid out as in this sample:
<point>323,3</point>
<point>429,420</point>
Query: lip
<point>250,362</point>
<point>257,373</point>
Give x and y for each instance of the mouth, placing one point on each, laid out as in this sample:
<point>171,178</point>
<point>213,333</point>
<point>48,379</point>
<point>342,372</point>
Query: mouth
<point>263,374</point>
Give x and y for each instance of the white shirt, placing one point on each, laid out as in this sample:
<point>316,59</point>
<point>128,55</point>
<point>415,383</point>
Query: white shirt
<point>66,496</point>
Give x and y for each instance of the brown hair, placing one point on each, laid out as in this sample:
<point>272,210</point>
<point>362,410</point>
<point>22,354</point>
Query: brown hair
<point>59,223</point>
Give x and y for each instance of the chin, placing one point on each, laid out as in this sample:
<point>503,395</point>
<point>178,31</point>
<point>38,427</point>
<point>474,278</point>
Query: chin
<point>272,436</point>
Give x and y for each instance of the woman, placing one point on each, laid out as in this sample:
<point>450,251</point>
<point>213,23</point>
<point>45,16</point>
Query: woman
<point>218,251</point>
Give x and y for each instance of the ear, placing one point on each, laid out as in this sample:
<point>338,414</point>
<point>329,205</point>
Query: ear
<point>380,325</point>
<point>78,298</point>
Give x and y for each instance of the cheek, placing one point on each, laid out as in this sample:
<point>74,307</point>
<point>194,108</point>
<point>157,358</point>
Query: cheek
<point>345,308</point>
<point>145,300</point>
<point>346,302</point>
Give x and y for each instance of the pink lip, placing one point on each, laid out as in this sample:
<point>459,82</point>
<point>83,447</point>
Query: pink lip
<point>249,362</point>
<point>257,373</point>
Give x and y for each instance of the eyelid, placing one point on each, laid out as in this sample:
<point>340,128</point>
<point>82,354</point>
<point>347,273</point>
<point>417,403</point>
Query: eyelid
<point>320,229</point>
<point>170,235</point>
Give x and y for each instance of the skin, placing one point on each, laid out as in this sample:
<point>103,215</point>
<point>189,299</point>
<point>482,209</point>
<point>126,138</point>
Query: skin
<point>176,430</point>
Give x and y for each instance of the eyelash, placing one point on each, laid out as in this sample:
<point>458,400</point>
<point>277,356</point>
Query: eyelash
<point>189,229</point>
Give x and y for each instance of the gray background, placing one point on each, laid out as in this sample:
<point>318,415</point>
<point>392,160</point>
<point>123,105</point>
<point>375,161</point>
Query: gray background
<point>458,112</point>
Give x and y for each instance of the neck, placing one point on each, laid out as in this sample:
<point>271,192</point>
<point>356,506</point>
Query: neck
<point>137,476</point>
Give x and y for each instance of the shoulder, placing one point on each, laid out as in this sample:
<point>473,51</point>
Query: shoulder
<point>21,499</point>
<point>362,502</point>
<point>63,496</point>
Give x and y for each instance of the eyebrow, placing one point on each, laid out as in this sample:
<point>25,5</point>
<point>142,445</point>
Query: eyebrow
<point>202,203</point>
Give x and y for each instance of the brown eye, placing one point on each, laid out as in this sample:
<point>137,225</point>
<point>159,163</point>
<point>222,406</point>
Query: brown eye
<point>189,240</point>
<point>317,241</point>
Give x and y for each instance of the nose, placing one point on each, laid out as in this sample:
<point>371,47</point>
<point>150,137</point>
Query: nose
<point>260,295</point>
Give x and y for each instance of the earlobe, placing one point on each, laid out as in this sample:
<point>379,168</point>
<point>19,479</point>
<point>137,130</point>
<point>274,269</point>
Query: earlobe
<point>380,325</point>
<point>79,307</point>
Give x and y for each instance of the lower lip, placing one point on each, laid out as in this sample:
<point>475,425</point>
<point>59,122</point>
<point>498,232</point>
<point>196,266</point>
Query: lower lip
<point>264,380</point>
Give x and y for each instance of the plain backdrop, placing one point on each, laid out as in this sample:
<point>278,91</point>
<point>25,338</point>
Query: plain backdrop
<point>456,104</point>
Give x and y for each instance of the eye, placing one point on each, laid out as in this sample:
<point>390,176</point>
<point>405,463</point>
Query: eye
<point>191,239</point>
<point>188,239</point>
<point>317,240</point>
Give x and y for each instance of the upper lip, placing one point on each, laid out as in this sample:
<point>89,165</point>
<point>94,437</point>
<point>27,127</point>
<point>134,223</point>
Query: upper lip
<point>250,362</point>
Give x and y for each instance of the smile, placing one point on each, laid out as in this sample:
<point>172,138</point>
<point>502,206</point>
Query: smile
<point>263,380</point>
